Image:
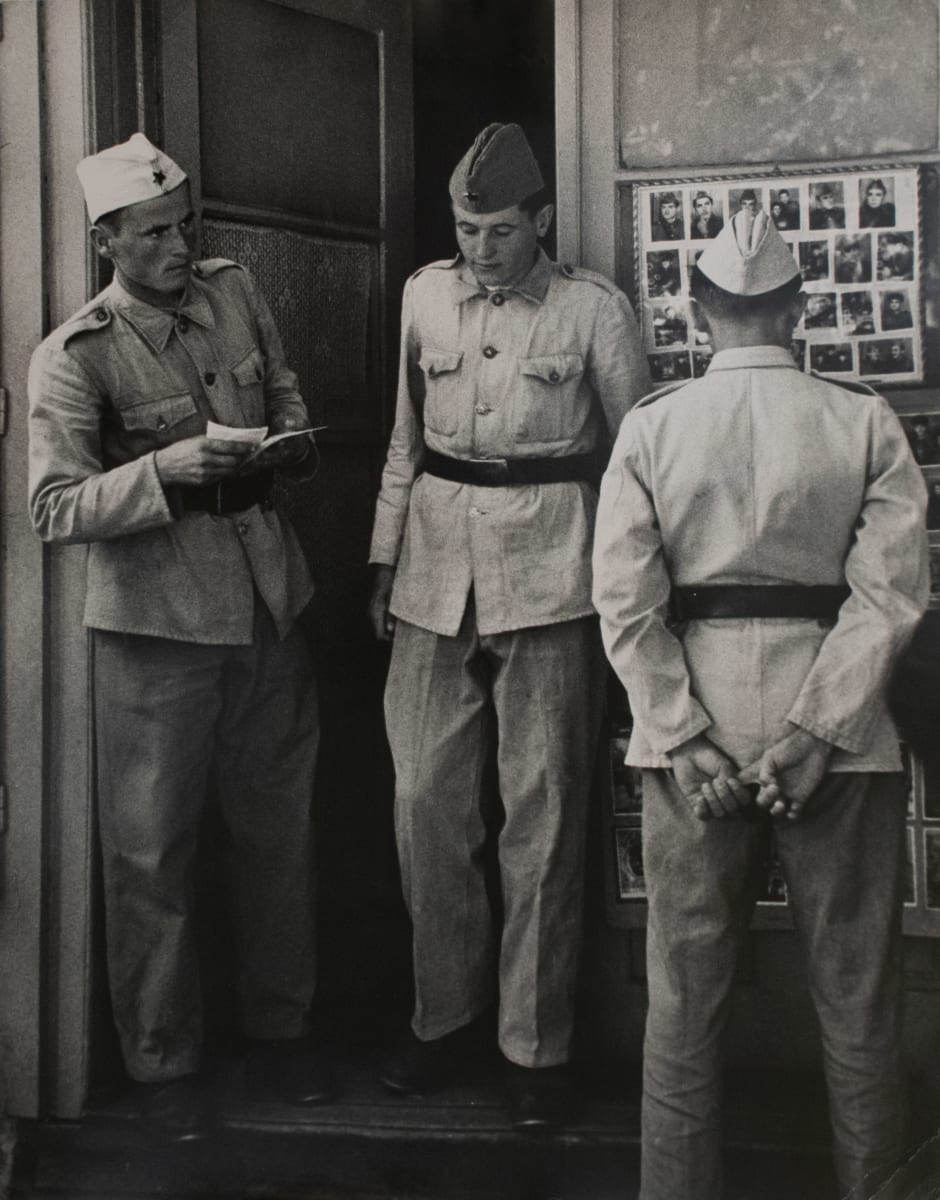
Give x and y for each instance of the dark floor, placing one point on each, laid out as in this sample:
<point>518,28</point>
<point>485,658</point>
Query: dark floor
<point>457,1145</point>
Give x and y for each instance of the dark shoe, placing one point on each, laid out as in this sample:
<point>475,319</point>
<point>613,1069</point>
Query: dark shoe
<point>181,1109</point>
<point>286,1070</point>
<point>539,1097</point>
<point>415,1067</point>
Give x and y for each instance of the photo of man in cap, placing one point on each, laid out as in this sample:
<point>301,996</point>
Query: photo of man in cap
<point>828,211</point>
<point>756,642</point>
<point>194,584</point>
<point>514,372</point>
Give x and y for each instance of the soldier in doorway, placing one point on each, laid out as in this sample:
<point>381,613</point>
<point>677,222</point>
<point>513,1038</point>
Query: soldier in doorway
<point>515,371</point>
<point>194,586</point>
<point>760,563</point>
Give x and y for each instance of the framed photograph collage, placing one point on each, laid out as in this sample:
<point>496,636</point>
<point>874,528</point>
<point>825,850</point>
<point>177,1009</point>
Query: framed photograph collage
<point>855,238</point>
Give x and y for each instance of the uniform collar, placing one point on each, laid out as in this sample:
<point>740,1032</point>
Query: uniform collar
<point>156,324</point>
<point>533,286</point>
<point>751,356</point>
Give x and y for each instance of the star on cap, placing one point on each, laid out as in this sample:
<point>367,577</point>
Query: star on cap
<point>126,174</point>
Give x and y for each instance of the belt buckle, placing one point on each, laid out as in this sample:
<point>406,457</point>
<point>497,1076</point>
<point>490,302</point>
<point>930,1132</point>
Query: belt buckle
<point>493,470</point>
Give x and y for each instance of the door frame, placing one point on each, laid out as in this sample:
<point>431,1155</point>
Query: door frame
<point>46,837</point>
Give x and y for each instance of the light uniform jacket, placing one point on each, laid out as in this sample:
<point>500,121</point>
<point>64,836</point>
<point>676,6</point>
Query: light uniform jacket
<point>547,368</point>
<point>109,388</point>
<point>759,474</point>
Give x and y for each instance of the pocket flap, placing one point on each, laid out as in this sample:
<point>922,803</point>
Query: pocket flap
<point>159,415</point>
<point>553,368</point>
<point>439,362</point>
<point>250,369</point>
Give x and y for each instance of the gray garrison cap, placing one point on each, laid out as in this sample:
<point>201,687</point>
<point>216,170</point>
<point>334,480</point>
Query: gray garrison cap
<point>498,171</point>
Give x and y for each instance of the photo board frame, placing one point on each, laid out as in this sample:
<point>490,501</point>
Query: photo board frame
<point>856,237</point>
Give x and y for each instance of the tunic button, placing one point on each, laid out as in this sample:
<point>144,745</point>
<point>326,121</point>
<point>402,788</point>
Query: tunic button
<point>209,377</point>
<point>482,411</point>
<point>490,352</point>
<point>432,372</point>
<point>498,299</point>
<point>243,527</point>
<point>182,324</point>
<point>554,376</point>
<point>161,424</point>
<point>100,314</point>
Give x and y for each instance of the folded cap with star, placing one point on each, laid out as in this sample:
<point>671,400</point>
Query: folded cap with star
<point>498,171</point>
<point>126,174</point>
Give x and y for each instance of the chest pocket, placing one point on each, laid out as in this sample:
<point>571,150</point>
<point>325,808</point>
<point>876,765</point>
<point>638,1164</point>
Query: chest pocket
<point>545,402</point>
<point>164,419</point>
<point>248,374</point>
<point>441,370</point>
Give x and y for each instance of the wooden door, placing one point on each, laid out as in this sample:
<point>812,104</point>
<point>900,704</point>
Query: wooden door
<point>293,119</point>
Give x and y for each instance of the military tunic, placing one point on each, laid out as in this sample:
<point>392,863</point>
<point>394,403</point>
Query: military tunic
<point>759,474</point>
<point>496,655</point>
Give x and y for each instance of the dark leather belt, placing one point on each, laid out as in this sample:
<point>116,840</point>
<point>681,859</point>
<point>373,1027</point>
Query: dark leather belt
<point>228,495</point>
<point>759,600</point>
<point>505,472</point>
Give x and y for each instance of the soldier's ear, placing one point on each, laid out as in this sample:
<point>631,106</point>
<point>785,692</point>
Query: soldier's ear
<point>699,315</point>
<point>543,219</point>
<point>101,239</point>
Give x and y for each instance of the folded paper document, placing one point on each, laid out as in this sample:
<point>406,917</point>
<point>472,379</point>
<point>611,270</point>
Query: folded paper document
<point>231,433</point>
<point>257,437</point>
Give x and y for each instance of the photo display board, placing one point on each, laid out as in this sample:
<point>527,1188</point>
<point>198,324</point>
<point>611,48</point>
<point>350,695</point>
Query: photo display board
<point>854,235</point>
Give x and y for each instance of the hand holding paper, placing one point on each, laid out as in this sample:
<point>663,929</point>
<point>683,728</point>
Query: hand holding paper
<point>258,437</point>
<point>275,438</point>
<point>232,433</point>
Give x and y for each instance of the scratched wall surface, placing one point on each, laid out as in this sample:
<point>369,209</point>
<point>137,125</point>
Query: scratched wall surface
<point>738,81</point>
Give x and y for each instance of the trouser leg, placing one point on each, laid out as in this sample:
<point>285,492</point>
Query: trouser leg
<point>265,756</point>
<point>701,879</point>
<point>548,692</point>
<point>844,861</point>
<point>439,724</point>
<point>156,703</point>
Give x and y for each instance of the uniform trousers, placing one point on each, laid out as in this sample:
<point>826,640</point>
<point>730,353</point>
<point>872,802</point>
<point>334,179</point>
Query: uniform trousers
<point>170,716</point>
<point>844,862</point>
<point>535,696</point>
